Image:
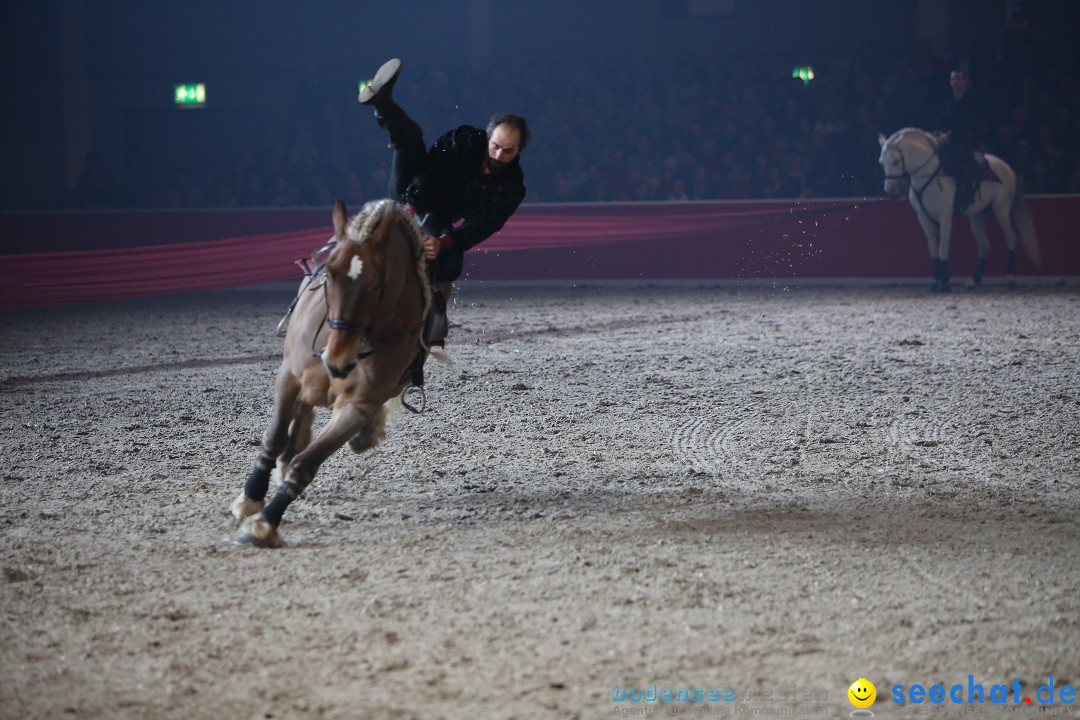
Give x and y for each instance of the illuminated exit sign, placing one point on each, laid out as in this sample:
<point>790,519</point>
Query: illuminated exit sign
<point>193,95</point>
<point>804,73</point>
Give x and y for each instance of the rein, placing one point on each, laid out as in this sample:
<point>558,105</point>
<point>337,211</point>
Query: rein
<point>906,175</point>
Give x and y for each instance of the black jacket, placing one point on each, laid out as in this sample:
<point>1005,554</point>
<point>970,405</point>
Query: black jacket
<point>463,205</point>
<point>961,120</point>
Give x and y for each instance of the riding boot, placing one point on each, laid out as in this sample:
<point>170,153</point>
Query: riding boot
<point>413,380</point>
<point>960,201</point>
<point>414,374</point>
<point>378,90</point>
<point>437,325</point>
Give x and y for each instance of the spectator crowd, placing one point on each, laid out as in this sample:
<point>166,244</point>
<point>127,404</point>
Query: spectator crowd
<point>697,127</point>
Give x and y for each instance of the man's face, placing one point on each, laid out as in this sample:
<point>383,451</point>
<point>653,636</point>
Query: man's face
<point>958,82</point>
<point>503,146</point>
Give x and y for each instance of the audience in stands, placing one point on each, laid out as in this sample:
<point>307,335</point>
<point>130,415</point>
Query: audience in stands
<point>707,128</point>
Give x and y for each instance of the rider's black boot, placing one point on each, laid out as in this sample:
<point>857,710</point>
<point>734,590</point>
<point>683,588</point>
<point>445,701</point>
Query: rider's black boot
<point>379,90</point>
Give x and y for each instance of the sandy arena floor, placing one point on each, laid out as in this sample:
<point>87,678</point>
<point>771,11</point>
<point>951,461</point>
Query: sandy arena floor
<point>776,490</point>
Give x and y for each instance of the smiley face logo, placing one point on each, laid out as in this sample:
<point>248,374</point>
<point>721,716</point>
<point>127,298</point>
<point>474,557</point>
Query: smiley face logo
<point>862,693</point>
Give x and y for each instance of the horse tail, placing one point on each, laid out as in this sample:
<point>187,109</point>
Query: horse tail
<point>1025,225</point>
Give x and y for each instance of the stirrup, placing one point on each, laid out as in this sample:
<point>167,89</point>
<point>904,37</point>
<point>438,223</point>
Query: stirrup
<point>412,390</point>
<point>283,324</point>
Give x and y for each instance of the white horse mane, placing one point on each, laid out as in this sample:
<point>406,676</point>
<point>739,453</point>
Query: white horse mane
<point>895,137</point>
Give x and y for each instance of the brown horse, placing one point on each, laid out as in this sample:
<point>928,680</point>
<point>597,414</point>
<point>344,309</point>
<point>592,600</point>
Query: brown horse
<point>354,332</point>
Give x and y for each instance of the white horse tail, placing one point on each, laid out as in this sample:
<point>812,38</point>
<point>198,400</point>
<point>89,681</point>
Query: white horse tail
<point>1025,225</point>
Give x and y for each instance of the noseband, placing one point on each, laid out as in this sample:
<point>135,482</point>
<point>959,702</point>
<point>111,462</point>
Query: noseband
<point>354,328</point>
<point>906,174</point>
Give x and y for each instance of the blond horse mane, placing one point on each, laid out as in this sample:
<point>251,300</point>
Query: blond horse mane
<point>363,224</point>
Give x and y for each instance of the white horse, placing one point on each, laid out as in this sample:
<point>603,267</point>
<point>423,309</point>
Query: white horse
<point>912,165</point>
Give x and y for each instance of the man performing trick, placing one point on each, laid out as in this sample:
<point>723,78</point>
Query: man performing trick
<point>462,190</point>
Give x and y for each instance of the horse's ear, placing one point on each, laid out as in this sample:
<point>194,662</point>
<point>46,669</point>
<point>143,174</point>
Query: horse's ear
<point>340,215</point>
<point>880,139</point>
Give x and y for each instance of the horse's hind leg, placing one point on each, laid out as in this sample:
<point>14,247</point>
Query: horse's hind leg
<point>1002,206</point>
<point>371,434</point>
<point>982,247</point>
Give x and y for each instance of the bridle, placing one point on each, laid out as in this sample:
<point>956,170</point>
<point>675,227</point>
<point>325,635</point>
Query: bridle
<point>365,331</point>
<point>906,174</point>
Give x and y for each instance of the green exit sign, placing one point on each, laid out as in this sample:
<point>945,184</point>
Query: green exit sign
<point>804,73</point>
<point>191,95</point>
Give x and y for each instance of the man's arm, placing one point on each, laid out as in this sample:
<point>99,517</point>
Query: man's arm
<point>488,218</point>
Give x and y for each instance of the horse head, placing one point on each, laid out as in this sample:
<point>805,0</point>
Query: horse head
<point>376,259</point>
<point>891,160</point>
<point>906,154</point>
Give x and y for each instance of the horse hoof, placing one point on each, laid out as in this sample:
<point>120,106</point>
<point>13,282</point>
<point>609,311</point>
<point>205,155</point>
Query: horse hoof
<point>934,287</point>
<point>972,285</point>
<point>258,532</point>
<point>1011,282</point>
<point>243,507</point>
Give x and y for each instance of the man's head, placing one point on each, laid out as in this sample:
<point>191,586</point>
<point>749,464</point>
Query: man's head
<point>958,81</point>
<point>507,137</point>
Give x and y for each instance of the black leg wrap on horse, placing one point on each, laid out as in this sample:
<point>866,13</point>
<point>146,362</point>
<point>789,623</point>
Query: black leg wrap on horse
<point>980,268</point>
<point>1010,262</point>
<point>936,285</point>
<point>259,479</point>
<point>287,492</point>
<point>944,275</point>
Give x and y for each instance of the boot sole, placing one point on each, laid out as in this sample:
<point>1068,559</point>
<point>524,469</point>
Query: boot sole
<point>385,75</point>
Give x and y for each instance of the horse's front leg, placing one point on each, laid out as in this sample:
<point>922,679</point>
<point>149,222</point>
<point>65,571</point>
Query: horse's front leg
<point>982,247</point>
<point>944,237</point>
<point>274,441</point>
<point>930,230</point>
<point>261,529</point>
<point>299,437</point>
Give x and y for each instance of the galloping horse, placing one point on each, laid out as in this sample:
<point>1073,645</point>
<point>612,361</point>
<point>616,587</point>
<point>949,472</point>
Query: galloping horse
<point>912,165</point>
<point>353,334</point>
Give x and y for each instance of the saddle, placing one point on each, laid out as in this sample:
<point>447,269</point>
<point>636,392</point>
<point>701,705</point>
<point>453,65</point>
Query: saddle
<point>986,173</point>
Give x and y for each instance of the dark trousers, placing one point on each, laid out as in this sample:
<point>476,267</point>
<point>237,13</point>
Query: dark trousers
<point>409,159</point>
<point>406,142</point>
<point>960,163</point>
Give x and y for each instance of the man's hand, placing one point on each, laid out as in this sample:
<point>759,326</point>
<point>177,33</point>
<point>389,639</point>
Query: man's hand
<point>431,246</point>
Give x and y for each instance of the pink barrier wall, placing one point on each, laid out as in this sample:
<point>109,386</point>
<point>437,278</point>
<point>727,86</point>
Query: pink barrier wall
<point>820,238</point>
<point>72,257</point>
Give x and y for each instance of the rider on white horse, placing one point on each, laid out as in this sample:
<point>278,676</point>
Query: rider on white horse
<point>959,143</point>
